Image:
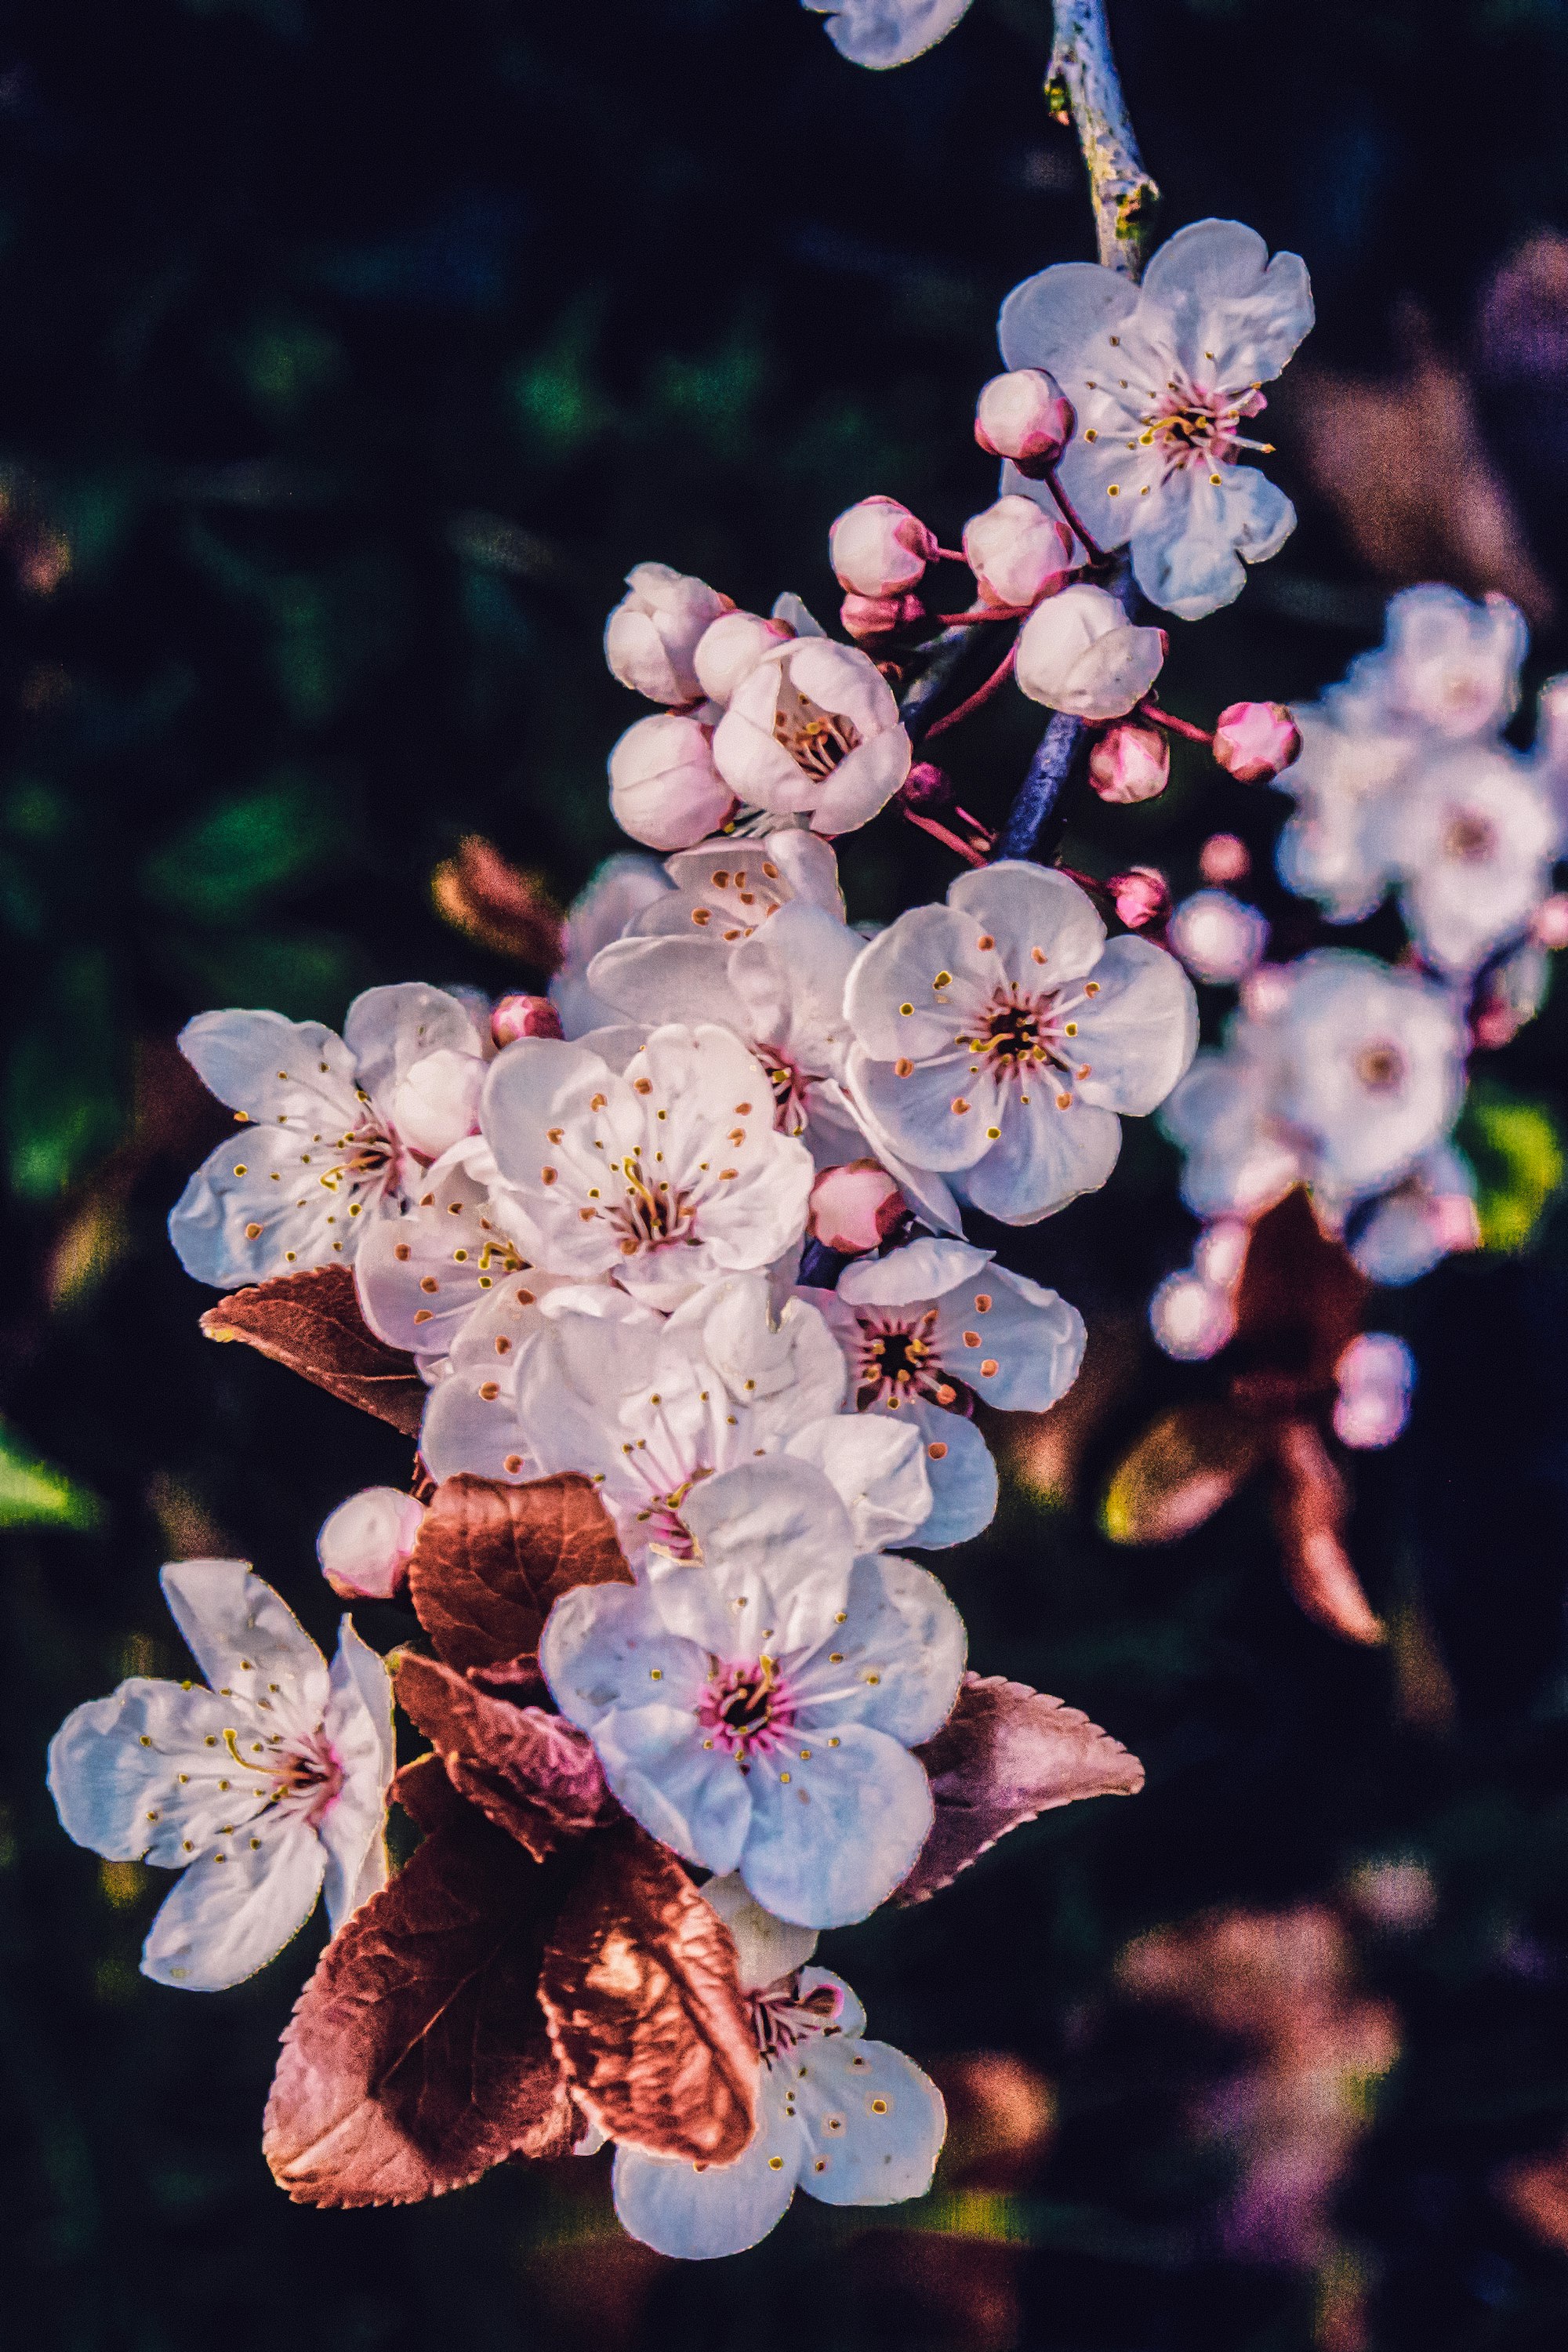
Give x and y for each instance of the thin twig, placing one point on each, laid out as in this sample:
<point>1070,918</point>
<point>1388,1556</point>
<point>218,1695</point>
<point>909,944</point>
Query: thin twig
<point>981,695</point>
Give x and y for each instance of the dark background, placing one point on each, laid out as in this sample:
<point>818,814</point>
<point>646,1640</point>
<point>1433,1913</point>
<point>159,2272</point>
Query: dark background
<point>348,357</point>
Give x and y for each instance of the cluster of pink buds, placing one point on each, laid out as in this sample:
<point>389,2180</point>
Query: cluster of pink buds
<point>880,552</point>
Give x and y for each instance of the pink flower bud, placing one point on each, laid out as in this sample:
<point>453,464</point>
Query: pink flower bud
<point>1255,740</point>
<point>926,786</point>
<point>363,1546</point>
<point>664,788</point>
<point>1218,938</point>
<point>1191,1319</point>
<point>1018,552</point>
<point>733,645</point>
<point>877,548</point>
<point>512,1017</point>
<point>1141,896</point>
<point>653,633</point>
<point>437,1101</point>
<point>1224,857</point>
<point>878,616</point>
<point>1025,415</point>
<point>1375,1376</point>
<point>1549,925</point>
<point>1130,763</point>
<point>855,1207</point>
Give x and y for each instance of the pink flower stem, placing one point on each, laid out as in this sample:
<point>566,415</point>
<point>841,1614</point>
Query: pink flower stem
<point>950,840</point>
<point>1173,726</point>
<point>1097,554</point>
<point>981,694</point>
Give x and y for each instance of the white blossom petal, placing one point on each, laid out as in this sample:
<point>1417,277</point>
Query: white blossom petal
<point>235,1908</point>
<point>357,1724</point>
<point>874,2123</point>
<point>1141,1031</point>
<point>877,1468</point>
<point>829,1843</point>
<point>245,1639</point>
<point>699,2212</point>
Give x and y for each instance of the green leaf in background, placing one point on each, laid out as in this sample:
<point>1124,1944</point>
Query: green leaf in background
<point>34,1493</point>
<point>304,975</point>
<point>1515,1147</point>
<point>64,1096</point>
<point>221,868</point>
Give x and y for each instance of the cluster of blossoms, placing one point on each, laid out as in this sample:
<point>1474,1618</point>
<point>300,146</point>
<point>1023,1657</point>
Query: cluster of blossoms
<point>668,1272</point>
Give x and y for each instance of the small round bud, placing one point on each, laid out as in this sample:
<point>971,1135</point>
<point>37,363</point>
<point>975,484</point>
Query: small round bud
<point>926,786</point>
<point>1017,552</point>
<point>1025,415</point>
<point>651,638</point>
<point>1141,896</point>
<point>879,616</point>
<point>1256,740</point>
<point>855,1207</point>
<point>512,1017</point>
<point>1079,652</point>
<point>1224,857</point>
<point>1130,763</point>
<point>664,788</point>
<point>1549,924</point>
<point>1375,1376</point>
<point>1218,938</point>
<point>437,1101</point>
<point>731,646</point>
<point>364,1544</point>
<point>877,548</point>
<point>1191,1319</point>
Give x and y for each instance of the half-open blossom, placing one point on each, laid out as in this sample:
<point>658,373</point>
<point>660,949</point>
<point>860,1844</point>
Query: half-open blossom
<point>320,1153</point>
<point>261,1789</point>
<point>1026,417</point>
<point>755,1709</point>
<point>851,2122</point>
<point>1344,1074</point>
<point>1256,740</point>
<point>813,731</point>
<point>663,1177</point>
<point>877,548</point>
<point>998,1036</point>
<point>364,1544</point>
<point>1130,763</point>
<point>664,787</point>
<point>1164,378</point>
<point>619,892</point>
<point>883,33</point>
<point>1218,938</point>
<point>651,638</point>
<point>929,1329</point>
<point>731,646</point>
<point>728,889</point>
<point>1017,553</point>
<point>1079,652</point>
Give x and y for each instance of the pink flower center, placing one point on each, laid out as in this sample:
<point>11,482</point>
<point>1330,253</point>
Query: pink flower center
<point>898,1358</point>
<point>781,2016</point>
<point>815,740</point>
<point>652,1215</point>
<point>746,1709</point>
<point>1470,838</point>
<point>789,1083</point>
<point>1380,1067</point>
<point>306,1772</point>
<point>1020,1036</point>
<point>1194,425</point>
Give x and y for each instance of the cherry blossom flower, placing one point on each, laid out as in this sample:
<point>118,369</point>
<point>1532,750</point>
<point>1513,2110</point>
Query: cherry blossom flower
<point>421,1275</point>
<point>756,1708</point>
<point>262,1789</point>
<point>1079,652</point>
<point>1471,838</point>
<point>731,647</point>
<point>877,548</point>
<point>664,787</point>
<point>851,2122</point>
<point>998,1036</point>
<point>1343,1075</point>
<point>1026,417</point>
<point>728,889</point>
<point>622,891</point>
<point>813,731</point>
<point>663,1177</point>
<point>651,638</point>
<point>883,33</point>
<point>1017,553</point>
<point>1447,664</point>
<point>335,1130</point>
<point>933,1326</point>
<point>1165,377</point>
<point>364,1544</point>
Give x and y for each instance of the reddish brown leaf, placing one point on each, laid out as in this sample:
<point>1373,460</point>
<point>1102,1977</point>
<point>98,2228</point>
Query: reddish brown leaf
<point>491,1560</point>
<point>1006,1754</point>
<point>1186,1464</point>
<point>645,2012</point>
<point>1311,1504</point>
<point>312,1323</point>
<point>529,1773</point>
<point>1298,1304</point>
<point>427,1796</point>
<point>416,2057</point>
<point>498,904</point>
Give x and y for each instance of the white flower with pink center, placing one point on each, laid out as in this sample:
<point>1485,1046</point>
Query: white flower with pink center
<point>420,1275</point>
<point>756,1708</point>
<point>928,1331</point>
<point>1471,837</point>
<point>813,731</point>
<point>998,1039</point>
<point>1165,379</point>
<point>849,2121</point>
<point>262,1789</point>
<point>662,1177</point>
<point>333,1132</point>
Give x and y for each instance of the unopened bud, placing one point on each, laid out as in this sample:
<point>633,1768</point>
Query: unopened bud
<point>1130,763</point>
<point>1218,938</point>
<point>1141,896</point>
<point>1191,1319</point>
<point>855,1207</point>
<point>1256,740</point>
<point>512,1017</point>
<point>664,787</point>
<point>1375,1376</point>
<point>364,1544</point>
<point>437,1101</point>
<point>731,647</point>
<point>1017,552</point>
<point>1025,415</point>
<point>879,616</point>
<point>926,786</point>
<point>1224,857</point>
<point>877,548</point>
<point>652,635</point>
<point>1549,924</point>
